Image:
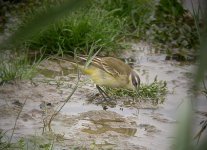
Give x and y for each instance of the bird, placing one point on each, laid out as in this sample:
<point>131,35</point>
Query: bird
<point>110,72</point>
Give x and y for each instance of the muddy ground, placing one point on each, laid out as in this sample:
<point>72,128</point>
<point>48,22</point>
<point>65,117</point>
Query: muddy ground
<point>82,123</point>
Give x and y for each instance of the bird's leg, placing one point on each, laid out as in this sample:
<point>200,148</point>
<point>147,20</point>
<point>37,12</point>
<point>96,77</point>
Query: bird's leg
<point>103,93</point>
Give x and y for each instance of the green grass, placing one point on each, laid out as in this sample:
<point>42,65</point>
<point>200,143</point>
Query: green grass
<point>98,21</point>
<point>16,67</point>
<point>155,92</point>
<point>80,31</point>
<point>29,143</point>
<point>103,24</point>
<point>136,13</point>
<point>100,24</point>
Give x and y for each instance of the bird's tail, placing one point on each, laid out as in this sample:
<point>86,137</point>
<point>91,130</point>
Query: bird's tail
<point>79,62</point>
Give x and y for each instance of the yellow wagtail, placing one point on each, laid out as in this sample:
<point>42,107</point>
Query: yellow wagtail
<point>111,72</point>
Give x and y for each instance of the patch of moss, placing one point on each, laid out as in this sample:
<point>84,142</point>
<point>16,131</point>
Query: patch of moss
<point>155,91</point>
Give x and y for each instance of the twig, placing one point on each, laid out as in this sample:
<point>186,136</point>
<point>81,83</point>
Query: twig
<point>89,59</point>
<point>198,135</point>
<point>67,99</point>
<point>18,115</point>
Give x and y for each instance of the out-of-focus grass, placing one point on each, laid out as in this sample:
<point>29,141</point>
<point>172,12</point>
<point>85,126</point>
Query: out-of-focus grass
<point>183,140</point>
<point>40,20</point>
<point>154,92</point>
<point>17,67</point>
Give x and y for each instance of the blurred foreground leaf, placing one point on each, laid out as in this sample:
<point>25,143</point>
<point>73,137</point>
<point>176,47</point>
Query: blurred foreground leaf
<point>41,20</point>
<point>202,60</point>
<point>183,138</point>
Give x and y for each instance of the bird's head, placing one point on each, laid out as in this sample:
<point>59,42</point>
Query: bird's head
<point>134,80</point>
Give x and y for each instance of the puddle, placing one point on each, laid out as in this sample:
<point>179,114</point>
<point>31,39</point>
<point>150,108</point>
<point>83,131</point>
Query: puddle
<point>84,124</point>
<point>103,127</point>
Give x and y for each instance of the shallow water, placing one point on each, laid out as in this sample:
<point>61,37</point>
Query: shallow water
<point>82,123</point>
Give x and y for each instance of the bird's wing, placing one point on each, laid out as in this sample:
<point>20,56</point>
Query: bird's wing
<point>111,65</point>
<point>106,67</point>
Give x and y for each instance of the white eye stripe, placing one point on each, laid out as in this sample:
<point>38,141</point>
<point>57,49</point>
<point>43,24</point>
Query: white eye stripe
<point>135,79</point>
